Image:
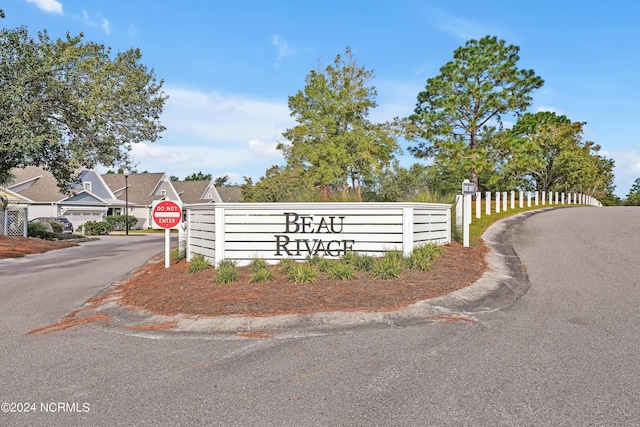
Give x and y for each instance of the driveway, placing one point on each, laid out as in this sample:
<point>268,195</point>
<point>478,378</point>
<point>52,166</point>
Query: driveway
<point>558,349</point>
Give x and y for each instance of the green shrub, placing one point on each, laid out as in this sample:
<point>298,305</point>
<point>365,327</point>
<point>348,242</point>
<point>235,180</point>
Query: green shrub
<point>304,273</point>
<point>227,272</point>
<point>95,228</point>
<point>421,257</point>
<point>119,222</point>
<point>39,230</point>
<point>340,271</point>
<point>258,264</point>
<point>197,264</point>
<point>56,227</point>
<point>262,275</point>
<point>387,267</point>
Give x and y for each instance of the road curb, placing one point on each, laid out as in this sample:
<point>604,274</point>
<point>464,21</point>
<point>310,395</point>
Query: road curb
<point>504,282</point>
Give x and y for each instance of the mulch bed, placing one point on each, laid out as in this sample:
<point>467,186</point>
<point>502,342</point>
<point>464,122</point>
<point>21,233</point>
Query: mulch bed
<point>172,291</point>
<point>14,246</point>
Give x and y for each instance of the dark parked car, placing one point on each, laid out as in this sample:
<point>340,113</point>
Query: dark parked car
<point>67,227</point>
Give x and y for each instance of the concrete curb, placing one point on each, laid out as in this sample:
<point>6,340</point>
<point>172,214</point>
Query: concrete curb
<point>501,285</point>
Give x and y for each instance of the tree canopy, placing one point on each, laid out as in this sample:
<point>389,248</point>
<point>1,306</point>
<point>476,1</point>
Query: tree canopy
<point>551,155</point>
<point>279,184</point>
<point>633,198</point>
<point>334,142</point>
<point>198,177</point>
<point>460,109</point>
<point>68,103</point>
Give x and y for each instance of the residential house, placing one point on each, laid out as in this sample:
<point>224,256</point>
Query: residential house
<point>87,200</point>
<point>143,189</point>
<point>197,192</point>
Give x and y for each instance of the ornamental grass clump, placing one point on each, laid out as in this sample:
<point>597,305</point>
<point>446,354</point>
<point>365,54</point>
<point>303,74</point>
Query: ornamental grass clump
<point>358,261</point>
<point>258,264</point>
<point>286,265</point>
<point>198,263</point>
<point>303,273</point>
<point>421,257</point>
<point>341,271</point>
<point>227,272</point>
<point>390,266</point>
<point>262,275</point>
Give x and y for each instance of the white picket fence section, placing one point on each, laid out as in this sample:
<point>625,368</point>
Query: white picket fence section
<point>503,201</point>
<point>273,231</point>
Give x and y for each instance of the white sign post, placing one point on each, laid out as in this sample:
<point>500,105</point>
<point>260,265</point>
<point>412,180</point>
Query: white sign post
<point>166,214</point>
<point>468,189</point>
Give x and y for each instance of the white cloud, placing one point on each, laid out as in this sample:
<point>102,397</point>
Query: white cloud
<point>106,25</point>
<point>214,132</point>
<point>462,28</point>
<point>543,108</point>
<point>627,168</point>
<point>88,20</point>
<point>261,148</point>
<point>283,47</point>
<point>48,6</point>
<point>229,119</point>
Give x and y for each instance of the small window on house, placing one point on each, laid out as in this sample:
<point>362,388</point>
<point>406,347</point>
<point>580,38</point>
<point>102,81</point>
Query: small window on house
<point>163,192</point>
<point>87,185</point>
<point>209,196</point>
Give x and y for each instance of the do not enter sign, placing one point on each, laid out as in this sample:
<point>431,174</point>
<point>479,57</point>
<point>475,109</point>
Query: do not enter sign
<point>166,214</point>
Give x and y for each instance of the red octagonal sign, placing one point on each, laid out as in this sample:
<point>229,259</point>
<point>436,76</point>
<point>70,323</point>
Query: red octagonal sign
<point>166,214</point>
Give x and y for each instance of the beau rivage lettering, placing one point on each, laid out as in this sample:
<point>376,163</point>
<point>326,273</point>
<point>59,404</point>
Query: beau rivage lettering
<point>308,224</point>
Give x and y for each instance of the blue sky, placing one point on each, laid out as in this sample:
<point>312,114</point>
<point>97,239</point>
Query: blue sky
<point>229,67</point>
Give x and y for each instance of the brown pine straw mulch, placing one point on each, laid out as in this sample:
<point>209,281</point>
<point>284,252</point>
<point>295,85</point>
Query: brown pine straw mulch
<point>14,246</point>
<point>172,291</point>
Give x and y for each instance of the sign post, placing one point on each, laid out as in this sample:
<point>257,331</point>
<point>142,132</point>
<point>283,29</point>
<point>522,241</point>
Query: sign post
<point>468,189</point>
<point>166,214</point>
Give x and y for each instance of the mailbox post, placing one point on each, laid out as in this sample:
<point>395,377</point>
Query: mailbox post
<point>468,189</point>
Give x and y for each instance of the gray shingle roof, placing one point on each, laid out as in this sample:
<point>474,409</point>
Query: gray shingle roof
<point>230,194</point>
<point>44,189</point>
<point>192,191</point>
<point>143,187</point>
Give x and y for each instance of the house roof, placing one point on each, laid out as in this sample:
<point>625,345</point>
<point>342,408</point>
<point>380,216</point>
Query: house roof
<point>13,197</point>
<point>142,187</point>
<point>43,186</point>
<point>196,191</point>
<point>230,194</point>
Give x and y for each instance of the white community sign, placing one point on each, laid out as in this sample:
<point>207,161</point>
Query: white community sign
<point>241,232</point>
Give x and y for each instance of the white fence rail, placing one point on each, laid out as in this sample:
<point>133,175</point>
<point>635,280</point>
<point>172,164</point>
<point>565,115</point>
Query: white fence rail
<point>503,201</point>
<point>273,231</point>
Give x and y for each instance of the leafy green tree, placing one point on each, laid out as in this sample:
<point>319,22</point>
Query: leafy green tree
<point>395,183</point>
<point>633,198</point>
<point>460,109</point>
<point>199,177</point>
<point>280,184</point>
<point>334,141</point>
<point>222,181</point>
<point>174,178</point>
<point>67,103</point>
<point>550,155</point>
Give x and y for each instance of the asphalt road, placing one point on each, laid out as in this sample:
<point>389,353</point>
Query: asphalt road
<point>564,353</point>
